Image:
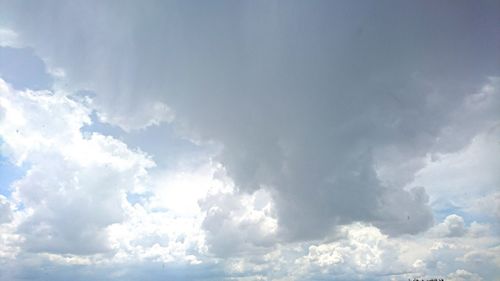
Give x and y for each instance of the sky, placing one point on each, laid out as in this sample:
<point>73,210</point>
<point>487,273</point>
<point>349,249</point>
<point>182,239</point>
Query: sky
<point>249,140</point>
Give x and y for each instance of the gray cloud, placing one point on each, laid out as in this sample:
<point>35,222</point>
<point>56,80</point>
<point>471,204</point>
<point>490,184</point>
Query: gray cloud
<point>5,210</point>
<point>303,97</point>
<point>23,69</point>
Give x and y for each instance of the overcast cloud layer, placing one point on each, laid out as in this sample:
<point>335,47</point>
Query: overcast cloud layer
<point>262,140</point>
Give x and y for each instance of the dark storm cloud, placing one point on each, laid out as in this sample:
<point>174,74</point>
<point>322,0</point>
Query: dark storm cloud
<point>304,97</point>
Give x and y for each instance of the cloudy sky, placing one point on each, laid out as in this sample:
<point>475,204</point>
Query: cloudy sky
<point>249,140</point>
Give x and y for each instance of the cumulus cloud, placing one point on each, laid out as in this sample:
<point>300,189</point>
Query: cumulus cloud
<point>239,225</point>
<point>76,185</point>
<point>360,250</point>
<point>452,226</point>
<point>363,252</point>
<point>462,275</point>
<point>455,225</point>
<point>158,237</point>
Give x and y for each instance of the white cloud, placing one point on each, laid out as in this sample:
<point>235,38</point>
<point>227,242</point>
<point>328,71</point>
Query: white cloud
<point>9,239</point>
<point>464,275</point>
<point>180,190</point>
<point>487,205</point>
<point>157,113</point>
<point>8,38</point>
<point>360,249</point>
<point>157,236</point>
<point>239,224</point>
<point>470,171</point>
<point>455,225</point>
<point>452,226</point>
<point>76,185</point>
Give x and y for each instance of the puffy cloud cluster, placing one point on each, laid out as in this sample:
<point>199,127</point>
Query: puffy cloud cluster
<point>452,226</point>
<point>76,185</point>
<point>239,225</point>
<point>157,237</point>
<point>463,275</point>
<point>360,250</point>
<point>73,206</point>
